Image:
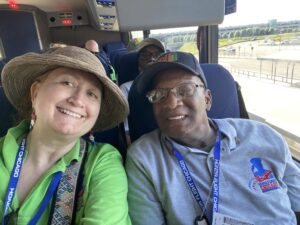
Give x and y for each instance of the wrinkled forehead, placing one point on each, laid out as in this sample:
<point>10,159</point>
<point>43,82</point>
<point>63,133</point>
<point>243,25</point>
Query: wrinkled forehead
<point>172,77</point>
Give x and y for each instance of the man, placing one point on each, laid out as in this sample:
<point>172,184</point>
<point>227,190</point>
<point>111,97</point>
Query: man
<point>195,170</point>
<point>93,47</point>
<point>148,50</point>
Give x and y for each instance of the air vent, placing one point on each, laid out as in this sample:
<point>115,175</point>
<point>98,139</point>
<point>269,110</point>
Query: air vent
<point>104,14</point>
<point>105,3</point>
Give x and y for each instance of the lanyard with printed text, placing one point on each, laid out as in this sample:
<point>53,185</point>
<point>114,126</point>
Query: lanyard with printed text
<point>14,177</point>
<point>216,173</point>
<point>13,182</point>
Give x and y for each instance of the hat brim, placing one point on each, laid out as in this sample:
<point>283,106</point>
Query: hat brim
<point>22,71</point>
<point>146,78</point>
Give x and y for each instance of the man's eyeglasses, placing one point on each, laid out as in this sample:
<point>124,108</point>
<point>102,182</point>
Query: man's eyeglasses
<point>181,91</point>
<point>149,55</point>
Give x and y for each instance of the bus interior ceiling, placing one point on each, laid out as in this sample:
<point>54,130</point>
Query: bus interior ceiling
<point>74,21</point>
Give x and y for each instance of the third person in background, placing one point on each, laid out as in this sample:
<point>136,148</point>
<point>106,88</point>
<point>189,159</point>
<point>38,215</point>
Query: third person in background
<point>148,50</point>
<point>93,47</point>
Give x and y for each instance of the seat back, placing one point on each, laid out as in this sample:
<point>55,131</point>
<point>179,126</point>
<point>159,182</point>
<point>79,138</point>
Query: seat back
<point>114,136</point>
<point>116,54</point>
<point>8,114</point>
<point>103,57</point>
<point>224,94</point>
<point>112,46</point>
<point>127,67</point>
<point>225,103</point>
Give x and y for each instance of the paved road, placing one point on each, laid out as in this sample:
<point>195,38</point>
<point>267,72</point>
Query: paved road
<point>253,65</point>
<point>245,54</point>
<point>276,104</point>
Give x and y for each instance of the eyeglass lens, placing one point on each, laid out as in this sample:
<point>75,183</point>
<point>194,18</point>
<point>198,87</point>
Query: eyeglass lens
<point>181,91</point>
<point>150,54</point>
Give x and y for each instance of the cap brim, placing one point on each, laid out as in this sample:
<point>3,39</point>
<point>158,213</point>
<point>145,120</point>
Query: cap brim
<point>145,79</point>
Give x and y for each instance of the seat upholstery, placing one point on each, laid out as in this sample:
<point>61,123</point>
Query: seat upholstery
<point>224,93</point>
<point>114,136</point>
<point>7,114</point>
<point>112,46</point>
<point>127,67</point>
<point>116,54</point>
<point>223,87</point>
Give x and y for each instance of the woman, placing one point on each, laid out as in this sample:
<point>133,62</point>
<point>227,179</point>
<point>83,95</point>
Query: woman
<point>48,173</point>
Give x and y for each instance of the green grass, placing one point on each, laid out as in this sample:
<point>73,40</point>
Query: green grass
<point>189,47</point>
<point>192,48</point>
<point>273,37</point>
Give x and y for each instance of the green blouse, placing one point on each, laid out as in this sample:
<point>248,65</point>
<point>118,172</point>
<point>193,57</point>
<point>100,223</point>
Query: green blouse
<point>104,199</point>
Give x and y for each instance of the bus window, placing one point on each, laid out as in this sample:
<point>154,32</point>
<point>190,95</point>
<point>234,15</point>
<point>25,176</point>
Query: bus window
<point>263,54</point>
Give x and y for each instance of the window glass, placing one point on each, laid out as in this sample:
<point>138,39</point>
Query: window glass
<point>260,46</point>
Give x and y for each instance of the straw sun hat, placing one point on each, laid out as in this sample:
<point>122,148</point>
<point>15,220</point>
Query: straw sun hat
<point>19,73</point>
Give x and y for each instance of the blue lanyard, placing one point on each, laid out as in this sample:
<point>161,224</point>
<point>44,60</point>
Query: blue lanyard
<point>216,174</point>
<point>50,192</point>
<point>14,178</point>
<point>188,176</point>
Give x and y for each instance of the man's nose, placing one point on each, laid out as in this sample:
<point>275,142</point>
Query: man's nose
<point>152,58</point>
<point>172,100</point>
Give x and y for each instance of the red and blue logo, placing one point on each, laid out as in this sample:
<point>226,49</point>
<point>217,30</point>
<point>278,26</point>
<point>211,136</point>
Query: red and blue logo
<point>263,177</point>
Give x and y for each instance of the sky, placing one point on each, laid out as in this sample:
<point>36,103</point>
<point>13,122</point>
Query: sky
<point>261,11</point>
<point>253,12</point>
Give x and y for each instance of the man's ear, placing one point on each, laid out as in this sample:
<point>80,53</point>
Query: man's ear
<point>208,99</point>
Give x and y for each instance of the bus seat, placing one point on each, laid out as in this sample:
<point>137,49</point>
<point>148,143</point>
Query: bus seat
<point>116,53</point>
<point>225,101</point>
<point>112,46</point>
<point>127,67</point>
<point>8,114</point>
<point>114,136</point>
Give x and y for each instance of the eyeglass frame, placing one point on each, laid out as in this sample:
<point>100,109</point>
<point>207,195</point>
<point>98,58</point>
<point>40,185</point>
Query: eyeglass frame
<point>175,91</point>
<point>145,54</point>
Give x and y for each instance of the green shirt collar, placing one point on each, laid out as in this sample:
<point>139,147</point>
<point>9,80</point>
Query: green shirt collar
<point>11,145</point>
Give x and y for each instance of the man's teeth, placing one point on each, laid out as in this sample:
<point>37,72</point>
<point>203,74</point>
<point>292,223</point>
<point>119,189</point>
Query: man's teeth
<point>70,113</point>
<point>176,118</point>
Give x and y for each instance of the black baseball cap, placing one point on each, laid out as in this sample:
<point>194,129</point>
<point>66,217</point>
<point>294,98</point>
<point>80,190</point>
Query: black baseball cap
<point>166,61</point>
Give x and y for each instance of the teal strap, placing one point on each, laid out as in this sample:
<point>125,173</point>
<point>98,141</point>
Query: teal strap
<point>112,74</point>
